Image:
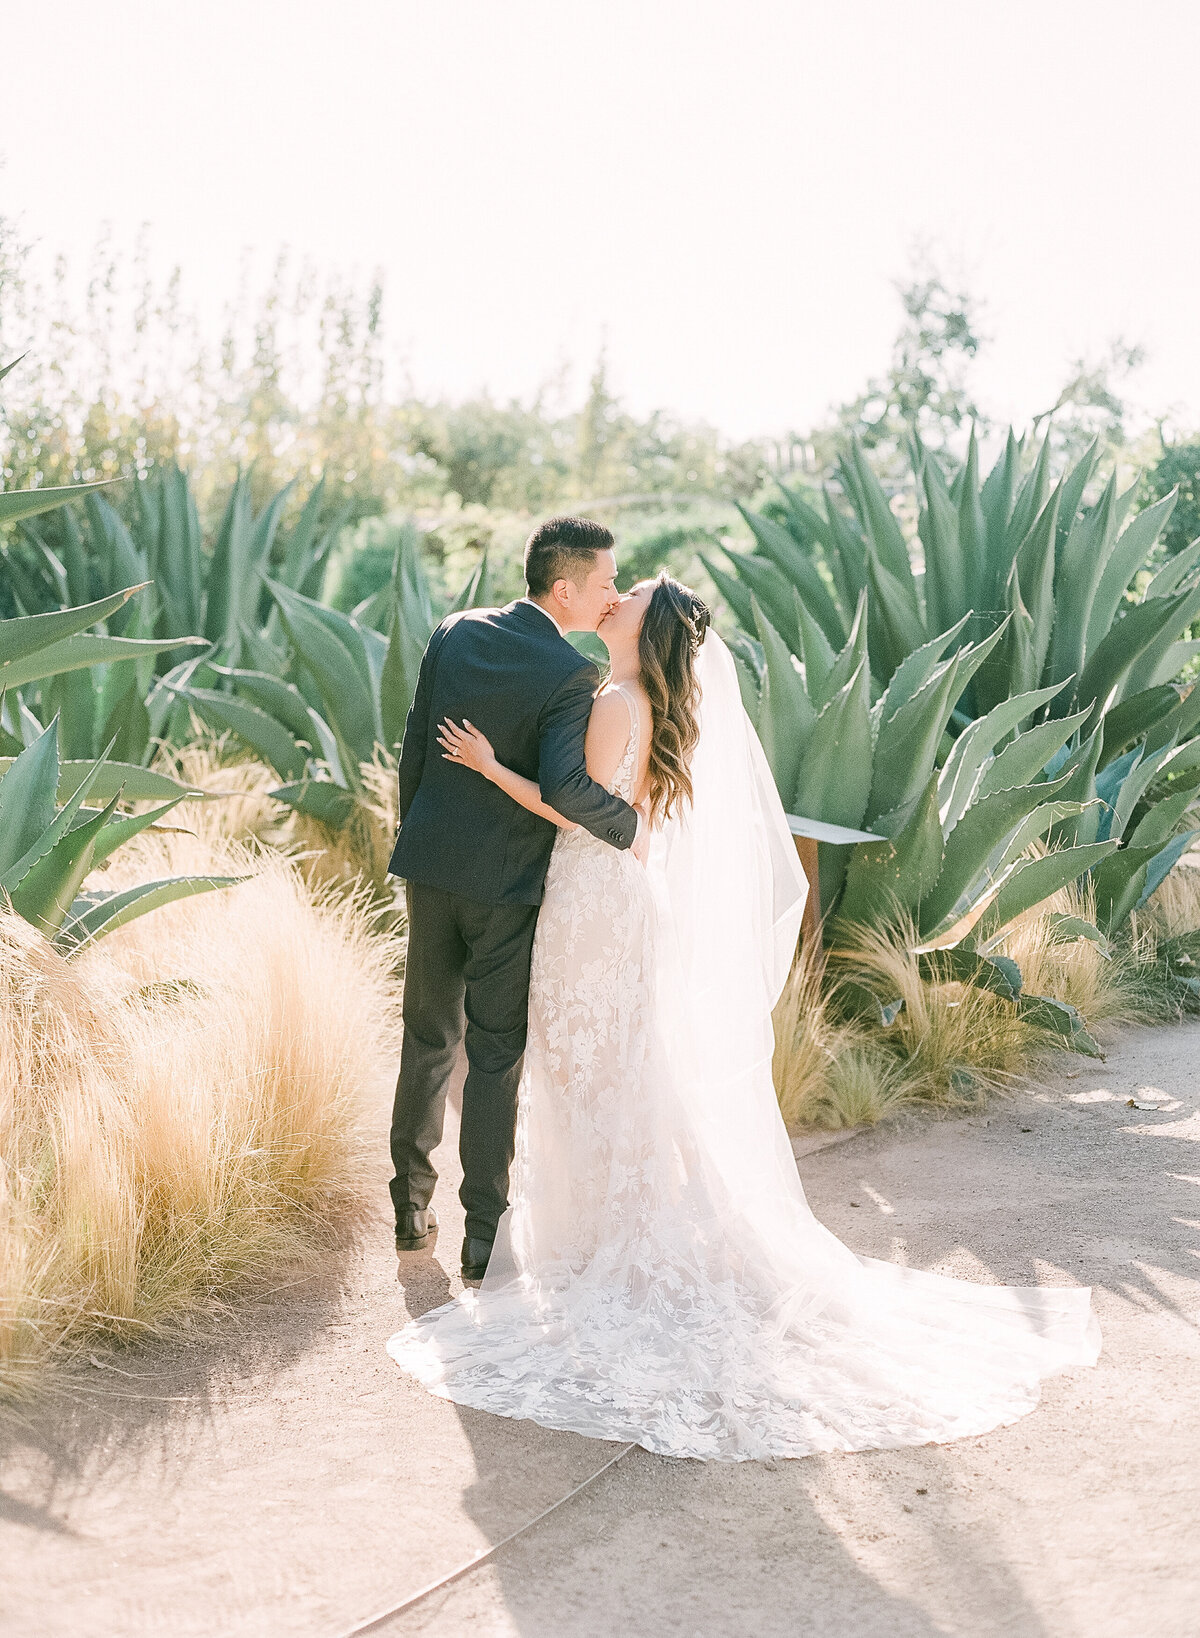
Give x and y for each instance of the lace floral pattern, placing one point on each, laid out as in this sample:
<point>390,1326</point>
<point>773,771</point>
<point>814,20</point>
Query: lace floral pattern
<point>590,1015</point>
<point>626,1299</point>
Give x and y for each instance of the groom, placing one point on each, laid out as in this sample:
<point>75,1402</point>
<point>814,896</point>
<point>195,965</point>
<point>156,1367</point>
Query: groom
<point>474,864</point>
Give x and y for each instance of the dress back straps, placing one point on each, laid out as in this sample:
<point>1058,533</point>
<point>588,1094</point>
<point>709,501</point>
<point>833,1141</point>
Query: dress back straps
<point>634,719</point>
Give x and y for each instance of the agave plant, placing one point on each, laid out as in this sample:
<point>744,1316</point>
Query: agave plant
<point>1058,696</point>
<point>350,692</point>
<point>950,831</point>
<point>214,600</point>
<point>53,647</point>
<point>47,852</point>
<point>317,750</point>
<point>91,683</point>
<point>56,655</point>
<point>1009,546</point>
<point>216,594</point>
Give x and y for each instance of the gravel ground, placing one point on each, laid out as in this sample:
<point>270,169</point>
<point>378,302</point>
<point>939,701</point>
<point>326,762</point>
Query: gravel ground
<point>282,1477</point>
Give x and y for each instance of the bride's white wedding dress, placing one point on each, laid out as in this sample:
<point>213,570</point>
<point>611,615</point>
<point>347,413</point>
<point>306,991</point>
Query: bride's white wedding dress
<point>659,1276</point>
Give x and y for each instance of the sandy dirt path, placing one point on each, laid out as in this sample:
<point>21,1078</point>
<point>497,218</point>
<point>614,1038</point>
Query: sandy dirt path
<point>283,1478</point>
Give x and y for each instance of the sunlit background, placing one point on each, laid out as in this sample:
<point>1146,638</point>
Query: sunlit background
<point>722,196</point>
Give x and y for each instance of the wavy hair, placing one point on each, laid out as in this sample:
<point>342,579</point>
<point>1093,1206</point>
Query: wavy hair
<point>673,628</point>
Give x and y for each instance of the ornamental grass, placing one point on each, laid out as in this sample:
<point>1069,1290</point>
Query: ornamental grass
<point>949,1045</point>
<point>181,1106</point>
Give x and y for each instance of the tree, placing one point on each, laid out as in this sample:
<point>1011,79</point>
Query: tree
<point>1090,404</point>
<point>1178,467</point>
<point>924,388</point>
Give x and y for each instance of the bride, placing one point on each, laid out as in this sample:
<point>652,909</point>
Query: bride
<point>659,1276</point>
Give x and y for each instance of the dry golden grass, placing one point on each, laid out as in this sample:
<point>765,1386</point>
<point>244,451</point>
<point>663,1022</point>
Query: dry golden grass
<point>1175,908</point>
<point>180,1106</point>
<point>829,1072</point>
<point>345,860</point>
<point>954,1042</point>
<point>951,1045</point>
<point>244,811</point>
<point>360,852</point>
<point>1105,985</point>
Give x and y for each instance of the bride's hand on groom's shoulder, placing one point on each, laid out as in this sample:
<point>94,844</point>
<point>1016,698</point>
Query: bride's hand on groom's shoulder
<point>466,746</point>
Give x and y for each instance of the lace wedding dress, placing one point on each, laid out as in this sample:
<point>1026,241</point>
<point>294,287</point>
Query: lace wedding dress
<point>659,1277</point>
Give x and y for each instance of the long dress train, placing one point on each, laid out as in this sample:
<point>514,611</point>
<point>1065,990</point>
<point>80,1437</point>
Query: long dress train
<point>659,1276</point>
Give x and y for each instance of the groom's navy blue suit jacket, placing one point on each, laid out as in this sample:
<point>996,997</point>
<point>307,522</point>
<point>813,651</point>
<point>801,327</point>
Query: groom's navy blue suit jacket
<point>523,685</point>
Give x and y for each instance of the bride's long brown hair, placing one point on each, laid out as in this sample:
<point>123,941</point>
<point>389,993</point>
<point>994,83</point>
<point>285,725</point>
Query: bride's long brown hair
<point>673,628</point>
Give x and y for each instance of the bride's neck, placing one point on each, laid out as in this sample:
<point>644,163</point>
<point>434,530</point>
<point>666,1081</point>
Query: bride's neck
<point>624,668</point>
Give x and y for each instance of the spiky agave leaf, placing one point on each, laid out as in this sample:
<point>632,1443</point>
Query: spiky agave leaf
<point>338,663</point>
<point>906,752</point>
<point>1146,630</point>
<point>1062,1019</point>
<point>896,874</point>
<point>321,799</point>
<point>267,737</point>
<point>787,715</point>
<point>1033,881</point>
<point>795,567</point>
<point>92,915</point>
<point>138,784</point>
<point>44,894</point>
<point>239,561</point>
<point>16,504</point>
<point>973,750</point>
<point>980,846</point>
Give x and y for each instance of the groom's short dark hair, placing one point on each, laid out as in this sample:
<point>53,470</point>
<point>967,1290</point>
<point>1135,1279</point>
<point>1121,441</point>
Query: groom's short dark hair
<point>563,549</point>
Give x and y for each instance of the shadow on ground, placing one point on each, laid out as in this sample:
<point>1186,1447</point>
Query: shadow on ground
<point>281,1476</point>
<point>1075,1520</point>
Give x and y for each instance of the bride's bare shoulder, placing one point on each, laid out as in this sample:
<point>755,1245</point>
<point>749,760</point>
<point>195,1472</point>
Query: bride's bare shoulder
<point>610,713</point>
<point>620,703</point>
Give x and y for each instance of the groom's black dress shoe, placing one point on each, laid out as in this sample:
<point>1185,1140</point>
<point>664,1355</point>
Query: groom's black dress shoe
<point>416,1230</point>
<point>475,1254</point>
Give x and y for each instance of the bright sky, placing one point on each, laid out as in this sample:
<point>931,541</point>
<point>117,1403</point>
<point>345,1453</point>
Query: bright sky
<point>725,189</point>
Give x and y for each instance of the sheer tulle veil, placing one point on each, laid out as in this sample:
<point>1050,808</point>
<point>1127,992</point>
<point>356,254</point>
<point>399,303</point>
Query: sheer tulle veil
<point>726,869</point>
<point>730,894</point>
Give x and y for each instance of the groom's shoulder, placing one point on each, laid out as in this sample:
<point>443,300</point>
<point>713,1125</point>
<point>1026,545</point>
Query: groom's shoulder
<point>482,619</point>
<point>523,633</point>
<point>464,621</point>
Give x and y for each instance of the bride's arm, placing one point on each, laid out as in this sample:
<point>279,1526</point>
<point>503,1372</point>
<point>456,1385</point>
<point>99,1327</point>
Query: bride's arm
<point>471,749</point>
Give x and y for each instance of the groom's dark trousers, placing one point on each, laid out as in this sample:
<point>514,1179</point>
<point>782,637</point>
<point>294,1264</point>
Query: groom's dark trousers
<point>474,865</point>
